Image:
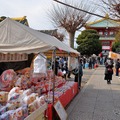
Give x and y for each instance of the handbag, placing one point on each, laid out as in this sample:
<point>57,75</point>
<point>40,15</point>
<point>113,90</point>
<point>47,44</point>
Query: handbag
<point>110,70</point>
<point>75,71</point>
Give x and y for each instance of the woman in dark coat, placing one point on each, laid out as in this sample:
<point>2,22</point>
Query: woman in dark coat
<point>117,66</point>
<point>108,70</point>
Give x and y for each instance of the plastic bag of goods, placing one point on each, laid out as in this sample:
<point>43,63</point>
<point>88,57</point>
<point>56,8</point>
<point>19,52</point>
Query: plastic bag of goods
<point>40,64</point>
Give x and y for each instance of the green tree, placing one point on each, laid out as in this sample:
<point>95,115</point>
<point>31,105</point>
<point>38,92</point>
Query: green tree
<point>117,37</point>
<point>116,43</point>
<point>88,42</point>
<point>116,46</point>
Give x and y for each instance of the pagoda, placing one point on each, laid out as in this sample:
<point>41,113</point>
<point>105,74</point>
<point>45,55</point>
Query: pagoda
<point>107,30</point>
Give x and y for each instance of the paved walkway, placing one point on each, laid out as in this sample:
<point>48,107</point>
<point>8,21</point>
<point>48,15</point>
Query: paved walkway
<point>97,100</point>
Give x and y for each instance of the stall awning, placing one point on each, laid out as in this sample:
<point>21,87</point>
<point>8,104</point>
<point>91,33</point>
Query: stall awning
<point>18,38</point>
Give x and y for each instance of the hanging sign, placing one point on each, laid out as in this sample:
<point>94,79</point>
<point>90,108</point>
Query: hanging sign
<point>40,64</point>
<point>73,62</point>
<point>13,57</point>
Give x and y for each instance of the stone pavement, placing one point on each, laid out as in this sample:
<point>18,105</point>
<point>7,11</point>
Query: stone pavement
<point>97,100</point>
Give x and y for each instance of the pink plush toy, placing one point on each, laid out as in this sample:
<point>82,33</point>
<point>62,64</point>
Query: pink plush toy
<point>7,79</point>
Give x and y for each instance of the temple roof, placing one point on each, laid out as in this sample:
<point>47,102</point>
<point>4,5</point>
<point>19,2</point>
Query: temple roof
<point>22,20</point>
<point>104,22</point>
<point>49,32</point>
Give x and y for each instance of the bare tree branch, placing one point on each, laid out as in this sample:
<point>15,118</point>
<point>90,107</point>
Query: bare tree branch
<point>69,18</point>
<point>112,8</point>
<point>80,9</point>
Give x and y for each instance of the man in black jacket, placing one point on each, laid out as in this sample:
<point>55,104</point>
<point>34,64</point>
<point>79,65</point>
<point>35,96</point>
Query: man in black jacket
<point>117,66</point>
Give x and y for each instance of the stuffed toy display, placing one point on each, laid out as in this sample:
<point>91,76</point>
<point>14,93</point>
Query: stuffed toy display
<point>7,79</point>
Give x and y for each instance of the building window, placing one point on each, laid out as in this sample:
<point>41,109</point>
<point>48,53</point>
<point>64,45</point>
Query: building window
<point>112,33</point>
<point>106,43</point>
<point>100,33</point>
<point>106,33</point>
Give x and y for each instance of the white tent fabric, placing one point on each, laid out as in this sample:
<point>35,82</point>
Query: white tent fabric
<point>18,38</point>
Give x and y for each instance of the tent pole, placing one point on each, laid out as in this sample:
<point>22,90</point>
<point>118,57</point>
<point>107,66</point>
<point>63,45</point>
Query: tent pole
<point>54,58</point>
<point>79,82</point>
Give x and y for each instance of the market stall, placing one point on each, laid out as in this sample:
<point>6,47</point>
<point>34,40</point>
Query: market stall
<point>17,41</point>
<point>114,55</point>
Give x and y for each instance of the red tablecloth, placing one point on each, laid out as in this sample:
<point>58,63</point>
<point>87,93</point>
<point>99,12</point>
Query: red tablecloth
<point>64,99</point>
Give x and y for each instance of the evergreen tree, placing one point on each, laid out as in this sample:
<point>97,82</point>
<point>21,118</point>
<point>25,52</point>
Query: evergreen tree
<point>116,43</point>
<point>88,42</point>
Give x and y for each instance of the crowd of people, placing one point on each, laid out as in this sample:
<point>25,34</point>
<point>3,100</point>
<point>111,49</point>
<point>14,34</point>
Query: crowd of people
<point>61,64</point>
<point>61,67</point>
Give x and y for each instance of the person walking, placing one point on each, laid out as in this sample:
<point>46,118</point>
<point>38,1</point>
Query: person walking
<point>65,69</point>
<point>78,72</point>
<point>93,60</point>
<point>108,70</point>
<point>84,62</point>
<point>56,66</point>
<point>90,63</point>
<point>117,66</point>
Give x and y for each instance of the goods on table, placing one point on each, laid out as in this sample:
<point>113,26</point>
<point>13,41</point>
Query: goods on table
<point>28,92</point>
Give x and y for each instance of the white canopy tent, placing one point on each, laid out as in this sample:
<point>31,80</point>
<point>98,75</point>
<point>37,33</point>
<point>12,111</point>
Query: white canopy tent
<point>18,38</point>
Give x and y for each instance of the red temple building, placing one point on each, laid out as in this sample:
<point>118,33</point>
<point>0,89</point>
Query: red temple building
<point>107,30</point>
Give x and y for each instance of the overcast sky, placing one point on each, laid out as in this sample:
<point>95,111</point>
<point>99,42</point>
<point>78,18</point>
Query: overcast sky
<point>35,10</point>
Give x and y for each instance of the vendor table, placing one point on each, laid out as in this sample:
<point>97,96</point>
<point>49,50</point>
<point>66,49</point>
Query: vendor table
<point>64,99</point>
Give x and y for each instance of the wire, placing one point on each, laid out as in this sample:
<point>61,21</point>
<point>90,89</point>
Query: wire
<point>82,10</point>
